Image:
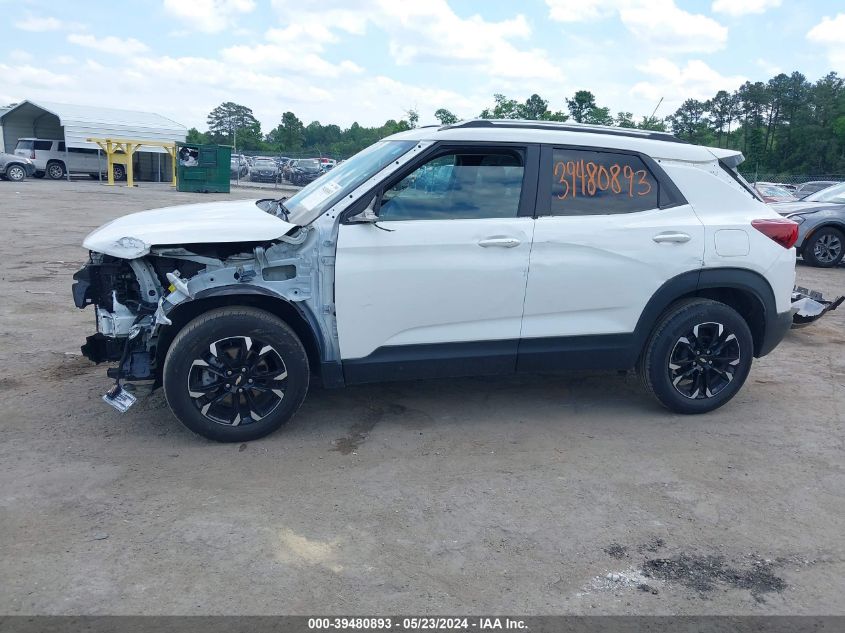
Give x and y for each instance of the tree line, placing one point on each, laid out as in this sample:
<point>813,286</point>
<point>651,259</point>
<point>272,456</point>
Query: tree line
<point>786,125</point>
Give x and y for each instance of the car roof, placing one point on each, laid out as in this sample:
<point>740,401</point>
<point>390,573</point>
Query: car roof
<point>654,144</point>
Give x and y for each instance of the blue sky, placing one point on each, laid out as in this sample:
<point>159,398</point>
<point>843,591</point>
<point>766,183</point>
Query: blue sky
<point>343,61</point>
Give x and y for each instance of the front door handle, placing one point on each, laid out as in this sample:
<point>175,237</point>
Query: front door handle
<point>503,242</point>
<point>672,236</point>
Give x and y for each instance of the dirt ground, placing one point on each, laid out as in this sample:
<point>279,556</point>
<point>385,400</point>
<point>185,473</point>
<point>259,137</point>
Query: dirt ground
<point>528,495</point>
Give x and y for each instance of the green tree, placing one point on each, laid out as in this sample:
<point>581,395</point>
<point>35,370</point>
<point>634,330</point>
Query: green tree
<point>229,120</point>
<point>289,135</point>
<point>625,119</point>
<point>580,105</point>
<point>445,116</point>
<point>195,136</point>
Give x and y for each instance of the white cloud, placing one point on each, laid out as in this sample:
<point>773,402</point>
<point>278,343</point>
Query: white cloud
<point>18,55</point>
<point>580,10</point>
<point>208,16</point>
<point>830,33</point>
<point>695,80</point>
<point>660,24</point>
<point>109,44</point>
<point>663,25</point>
<point>39,24</point>
<point>30,77</point>
<point>421,31</point>
<point>743,7</point>
<point>275,57</point>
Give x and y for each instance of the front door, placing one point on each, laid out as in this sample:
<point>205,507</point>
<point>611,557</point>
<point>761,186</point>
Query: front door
<point>437,286</point>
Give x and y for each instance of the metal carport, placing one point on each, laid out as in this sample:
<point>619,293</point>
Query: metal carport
<point>76,123</point>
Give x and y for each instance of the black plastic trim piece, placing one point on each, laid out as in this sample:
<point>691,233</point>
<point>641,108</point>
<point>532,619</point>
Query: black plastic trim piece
<point>601,351</point>
<point>566,127</point>
<point>439,360</point>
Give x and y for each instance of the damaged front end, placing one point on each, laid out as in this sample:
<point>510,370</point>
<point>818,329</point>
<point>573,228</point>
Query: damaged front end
<point>137,299</point>
<point>809,306</point>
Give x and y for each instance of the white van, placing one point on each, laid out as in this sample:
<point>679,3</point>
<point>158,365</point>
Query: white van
<point>51,158</point>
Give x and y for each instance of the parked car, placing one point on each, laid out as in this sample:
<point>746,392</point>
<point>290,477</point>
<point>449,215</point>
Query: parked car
<point>644,252</point>
<point>770,192</point>
<point>51,159</point>
<point>821,225</point>
<point>15,168</point>
<point>264,170</point>
<point>812,187</point>
<point>305,170</point>
<point>327,163</point>
<point>238,167</point>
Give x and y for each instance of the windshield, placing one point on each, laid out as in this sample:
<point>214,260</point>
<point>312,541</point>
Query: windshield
<point>265,163</point>
<point>835,194</point>
<point>321,194</point>
<point>24,144</point>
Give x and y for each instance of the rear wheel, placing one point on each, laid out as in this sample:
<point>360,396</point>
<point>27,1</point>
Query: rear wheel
<point>15,173</point>
<point>235,374</point>
<point>56,170</point>
<point>825,248</point>
<point>119,172</point>
<point>698,356</point>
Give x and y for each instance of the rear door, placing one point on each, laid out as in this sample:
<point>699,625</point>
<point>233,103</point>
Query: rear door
<point>437,286</point>
<point>611,229</point>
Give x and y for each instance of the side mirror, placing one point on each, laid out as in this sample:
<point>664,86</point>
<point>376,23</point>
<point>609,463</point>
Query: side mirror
<point>368,215</point>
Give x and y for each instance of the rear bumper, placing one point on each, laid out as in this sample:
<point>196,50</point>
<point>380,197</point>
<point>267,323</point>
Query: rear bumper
<point>776,329</point>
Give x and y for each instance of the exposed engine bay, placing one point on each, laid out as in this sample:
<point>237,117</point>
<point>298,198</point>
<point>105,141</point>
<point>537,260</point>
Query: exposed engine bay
<point>135,299</point>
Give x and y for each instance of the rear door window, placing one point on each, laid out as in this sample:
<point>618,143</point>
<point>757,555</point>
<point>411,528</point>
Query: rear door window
<point>44,145</point>
<point>590,182</point>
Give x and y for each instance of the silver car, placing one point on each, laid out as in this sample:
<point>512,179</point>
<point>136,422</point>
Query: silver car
<point>15,168</point>
<point>821,225</point>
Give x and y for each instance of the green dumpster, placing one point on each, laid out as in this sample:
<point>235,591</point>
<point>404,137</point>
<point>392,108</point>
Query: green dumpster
<point>202,168</point>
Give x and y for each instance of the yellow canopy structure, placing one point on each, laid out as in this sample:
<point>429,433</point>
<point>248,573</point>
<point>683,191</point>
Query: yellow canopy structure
<point>120,150</point>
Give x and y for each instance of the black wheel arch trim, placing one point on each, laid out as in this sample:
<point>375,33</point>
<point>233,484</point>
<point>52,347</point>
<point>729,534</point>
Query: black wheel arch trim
<point>694,283</point>
<point>328,370</point>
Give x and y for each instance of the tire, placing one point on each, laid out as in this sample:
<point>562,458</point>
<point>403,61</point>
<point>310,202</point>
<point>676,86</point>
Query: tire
<point>15,172</point>
<point>825,248</point>
<point>207,352</point>
<point>56,170</point>
<point>683,380</point>
<point>119,172</point>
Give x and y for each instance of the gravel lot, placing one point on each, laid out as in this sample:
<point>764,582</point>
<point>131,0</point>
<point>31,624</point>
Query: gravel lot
<point>529,495</point>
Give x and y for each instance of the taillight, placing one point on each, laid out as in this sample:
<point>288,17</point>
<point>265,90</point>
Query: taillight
<point>32,155</point>
<point>781,230</point>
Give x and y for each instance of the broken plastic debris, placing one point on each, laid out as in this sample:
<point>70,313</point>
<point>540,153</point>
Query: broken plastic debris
<point>809,306</point>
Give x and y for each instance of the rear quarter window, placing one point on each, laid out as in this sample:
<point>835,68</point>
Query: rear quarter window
<point>587,182</point>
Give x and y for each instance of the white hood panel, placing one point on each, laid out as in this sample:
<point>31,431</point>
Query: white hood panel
<point>133,235</point>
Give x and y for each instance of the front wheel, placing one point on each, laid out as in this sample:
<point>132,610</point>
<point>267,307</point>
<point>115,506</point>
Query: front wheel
<point>825,248</point>
<point>235,374</point>
<point>15,173</point>
<point>697,357</point>
<point>118,172</point>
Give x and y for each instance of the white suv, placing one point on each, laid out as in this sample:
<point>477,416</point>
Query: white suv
<point>485,247</point>
<point>50,158</point>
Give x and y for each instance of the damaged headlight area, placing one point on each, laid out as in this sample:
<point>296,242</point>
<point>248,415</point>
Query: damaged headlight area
<point>124,306</point>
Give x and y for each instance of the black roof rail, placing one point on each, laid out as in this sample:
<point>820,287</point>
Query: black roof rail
<point>562,126</point>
